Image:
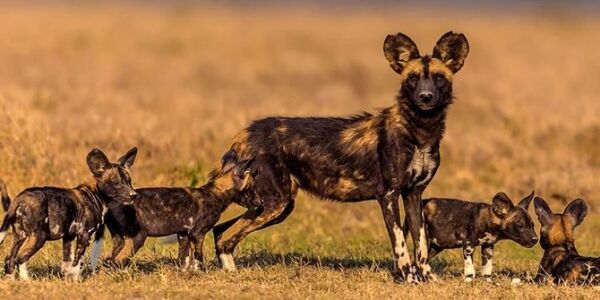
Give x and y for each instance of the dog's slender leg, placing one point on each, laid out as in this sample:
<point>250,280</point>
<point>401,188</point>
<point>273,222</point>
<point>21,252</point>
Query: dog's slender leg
<point>30,247</point>
<point>249,222</point>
<point>468,256</point>
<point>198,252</point>
<point>184,251</point>
<point>414,215</point>
<point>10,261</point>
<point>138,242</point>
<point>83,242</point>
<point>118,243</point>
<point>391,216</point>
<point>486,261</point>
<point>68,254</point>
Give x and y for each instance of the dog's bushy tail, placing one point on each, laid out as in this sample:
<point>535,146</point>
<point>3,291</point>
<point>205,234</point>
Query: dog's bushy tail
<point>9,216</point>
<point>5,197</point>
<point>97,248</point>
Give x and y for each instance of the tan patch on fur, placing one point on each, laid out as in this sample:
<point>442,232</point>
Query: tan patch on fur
<point>224,182</point>
<point>412,66</point>
<point>436,66</point>
<point>361,135</point>
<point>283,129</point>
<point>346,185</point>
<point>430,209</point>
<point>560,232</point>
<point>574,274</point>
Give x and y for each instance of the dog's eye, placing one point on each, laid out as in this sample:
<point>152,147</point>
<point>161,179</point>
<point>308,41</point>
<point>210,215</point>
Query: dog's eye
<point>439,79</point>
<point>412,78</point>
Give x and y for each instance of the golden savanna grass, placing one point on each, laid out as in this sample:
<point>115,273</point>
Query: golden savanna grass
<point>179,82</point>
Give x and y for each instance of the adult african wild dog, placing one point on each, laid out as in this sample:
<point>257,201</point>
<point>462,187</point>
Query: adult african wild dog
<point>192,212</point>
<point>561,261</point>
<point>383,156</point>
<point>43,214</point>
<point>453,223</point>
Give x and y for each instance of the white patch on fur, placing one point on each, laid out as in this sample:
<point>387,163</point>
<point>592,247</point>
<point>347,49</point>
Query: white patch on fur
<point>196,265</point>
<point>390,207</point>
<point>76,227</point>
<point>398,249</point>
<point>422,241</point>
<point>75,272</point>
<point>488,239</point>
<point>227,262</point>
<point>65,266</point>
<point>19,213</point>
<point>421,163</point>
<point>469,268</point>
<point>55,229</point>
<point>23,273</point>
<point>186,263</point>
<point>46,220</point>
<point>3,236</point>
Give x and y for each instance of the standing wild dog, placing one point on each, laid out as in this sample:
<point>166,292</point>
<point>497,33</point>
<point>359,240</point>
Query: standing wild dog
<point>383,156</point>
<point>561,260</point>
<point>192,212</point>
<point>455,223</point>
<point>43,214</point>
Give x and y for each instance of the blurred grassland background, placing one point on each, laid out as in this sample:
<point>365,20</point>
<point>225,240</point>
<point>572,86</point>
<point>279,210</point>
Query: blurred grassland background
<point>179,81</point>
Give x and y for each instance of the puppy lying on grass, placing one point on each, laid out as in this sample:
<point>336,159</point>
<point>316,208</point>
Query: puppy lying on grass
<point>189,212</point>
<point>455,223</point>
<point>43,214</point>
<point>561,262</point>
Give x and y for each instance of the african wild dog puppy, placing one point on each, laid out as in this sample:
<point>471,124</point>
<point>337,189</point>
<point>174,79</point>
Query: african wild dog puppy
<point>383,156</point>
<point>192,212</point>
<point>561,262</point>
<point>455,223</point>
<point>43,214</point>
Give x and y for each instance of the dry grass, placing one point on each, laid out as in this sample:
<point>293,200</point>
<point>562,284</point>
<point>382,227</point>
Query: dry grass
<point>180,82</point>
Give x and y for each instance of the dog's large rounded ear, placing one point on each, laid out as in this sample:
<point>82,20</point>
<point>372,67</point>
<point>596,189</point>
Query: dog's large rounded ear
<point>398,50</point>
<point>229,160</point>
<point>543,211</point>
<point>128,159</point>
<point>576,211</point>
<point>452,49</point>
<point>501,204</point>
<point>525,202</point>
<point>97,162</point>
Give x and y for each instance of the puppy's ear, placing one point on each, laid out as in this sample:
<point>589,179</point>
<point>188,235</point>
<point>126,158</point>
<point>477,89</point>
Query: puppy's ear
<point>228,161</point>
<point>97,162</point>
<point>524,203</point>
<point>501,204</point>
<point>576,211</point>
<point>128,159</point>
<point>398,50</point>
<point>452,49</point>
<point>543,211</point>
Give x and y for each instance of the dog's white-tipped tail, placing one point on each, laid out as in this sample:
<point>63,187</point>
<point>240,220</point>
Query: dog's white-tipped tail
<point>96,250</point>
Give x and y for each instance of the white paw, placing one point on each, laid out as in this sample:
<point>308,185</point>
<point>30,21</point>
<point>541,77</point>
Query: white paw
<point>469,278</point>
<point>227,262</point>
<point>23,273</point>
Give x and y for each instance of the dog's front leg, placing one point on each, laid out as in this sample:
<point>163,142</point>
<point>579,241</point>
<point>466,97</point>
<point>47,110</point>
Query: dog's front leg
<point>487,252</point>
<point>391,215</point>
<point>68,255</point>
<point>414,215</point>
<point>468,257</point>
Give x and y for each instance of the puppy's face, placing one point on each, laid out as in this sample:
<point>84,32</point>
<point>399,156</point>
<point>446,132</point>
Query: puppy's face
<point>426,80</point>
<point>559,229</point>
<point>113,179</point>
<point>518,225</point>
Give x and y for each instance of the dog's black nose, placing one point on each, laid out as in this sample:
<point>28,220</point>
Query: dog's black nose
<point>426,97</point>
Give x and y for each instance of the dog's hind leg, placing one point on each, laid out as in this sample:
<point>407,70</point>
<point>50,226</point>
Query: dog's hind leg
<point>251,221</point>
<point>10,260</point>
<point>29,248</point>
<point>486,260</point>
<point>184,251</point>
<point>68,254</point>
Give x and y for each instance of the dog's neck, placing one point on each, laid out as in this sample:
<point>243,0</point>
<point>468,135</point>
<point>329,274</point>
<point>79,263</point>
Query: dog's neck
<point>554,255</point>
<point>424,126</point>
<point>96,200</point>
<point>221,198</point>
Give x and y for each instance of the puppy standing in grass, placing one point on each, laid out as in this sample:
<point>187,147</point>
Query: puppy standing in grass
<point>561,262</point>
<point>43,214</point>
<point>192,212</point>
<point>454,223</point>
